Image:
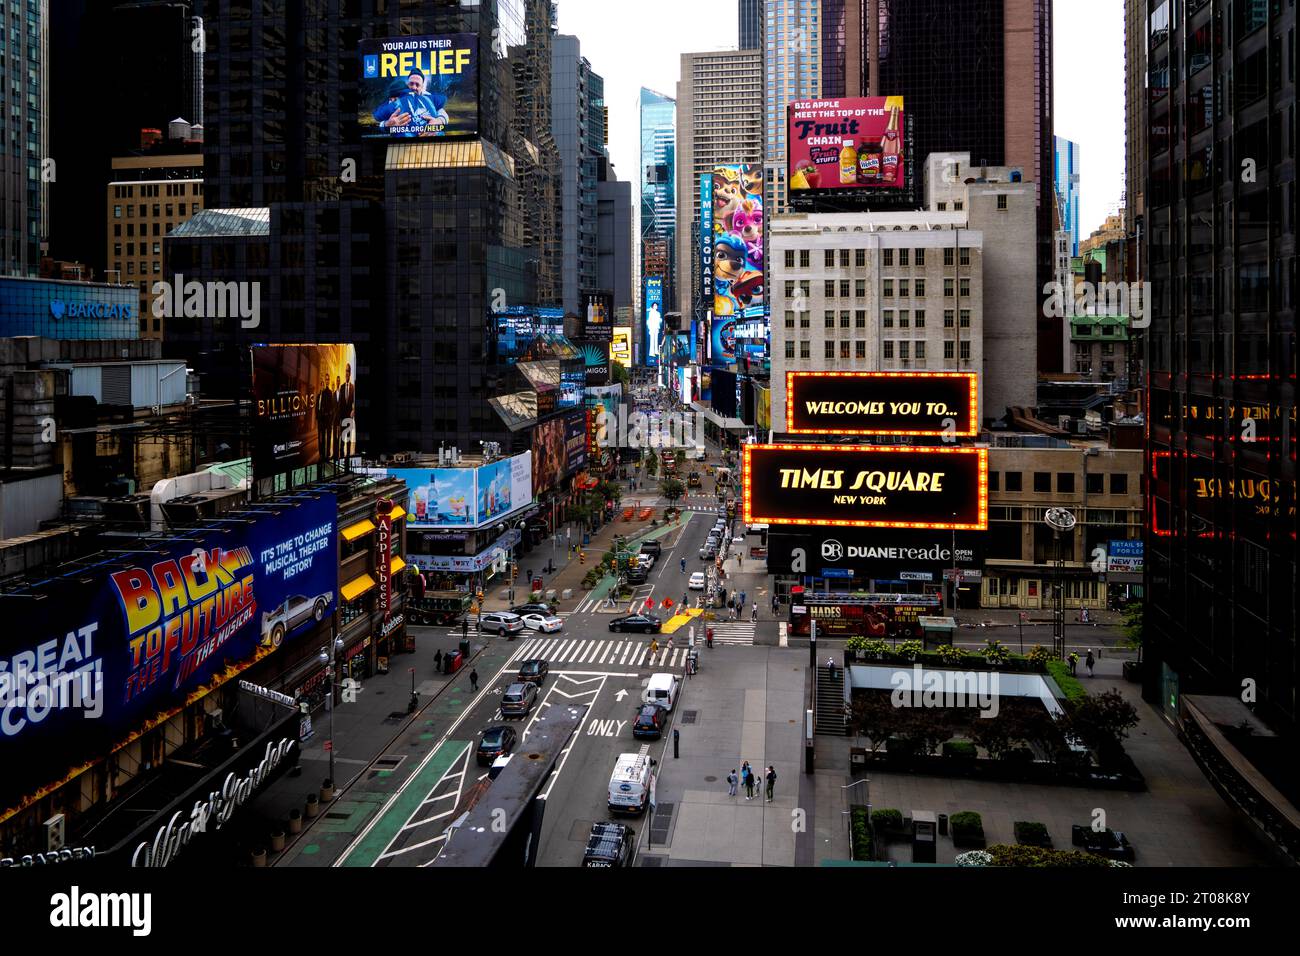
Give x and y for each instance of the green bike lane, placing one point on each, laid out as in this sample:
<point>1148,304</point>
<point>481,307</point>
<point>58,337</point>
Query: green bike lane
<point>357,827</point>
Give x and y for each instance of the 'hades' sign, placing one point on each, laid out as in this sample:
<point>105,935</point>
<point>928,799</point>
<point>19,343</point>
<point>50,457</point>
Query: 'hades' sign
<point>882,403</point>
<point>865,486</point>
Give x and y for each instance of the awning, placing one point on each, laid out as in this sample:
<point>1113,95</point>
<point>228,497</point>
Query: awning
<point>354,531</point>
<point>396,564</point>
<point>357,587</point>
<point>397,512</point>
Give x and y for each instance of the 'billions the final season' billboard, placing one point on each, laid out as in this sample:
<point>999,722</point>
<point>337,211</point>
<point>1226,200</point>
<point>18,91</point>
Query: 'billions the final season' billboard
<point>304,402</point>
<point>882,403</point>
<point>867,486</point>
<point>419,87</point>
<point>154,631</point>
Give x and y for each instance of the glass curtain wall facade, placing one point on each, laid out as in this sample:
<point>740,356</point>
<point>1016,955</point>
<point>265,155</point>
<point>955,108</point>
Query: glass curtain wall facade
<point>1221,351</point>
<point>24,133</point>
<point>658,188</point>
<point>1066,177</point>
<point>792,65</point>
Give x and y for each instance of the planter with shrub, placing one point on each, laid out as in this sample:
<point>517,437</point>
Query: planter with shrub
<point>960,749</point>
<point>967,830</point>
<point>887,820</point>
<point>1030,833</point>
<point>860,832</point>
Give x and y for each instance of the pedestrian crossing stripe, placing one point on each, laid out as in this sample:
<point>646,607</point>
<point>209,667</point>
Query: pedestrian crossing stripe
<point>611,652</point>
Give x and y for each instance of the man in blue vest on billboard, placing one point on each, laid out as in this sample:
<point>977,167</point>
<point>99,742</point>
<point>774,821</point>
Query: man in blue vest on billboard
<point>410,111</point>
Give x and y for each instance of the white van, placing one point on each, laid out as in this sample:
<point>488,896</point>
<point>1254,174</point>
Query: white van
<point>662,690</point>
<point>630,783</point>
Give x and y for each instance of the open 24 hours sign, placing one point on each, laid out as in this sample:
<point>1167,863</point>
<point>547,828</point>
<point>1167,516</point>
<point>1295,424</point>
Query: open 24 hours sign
<point>866,486</point>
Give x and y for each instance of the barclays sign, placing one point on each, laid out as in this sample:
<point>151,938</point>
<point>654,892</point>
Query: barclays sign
<point>91,310</point>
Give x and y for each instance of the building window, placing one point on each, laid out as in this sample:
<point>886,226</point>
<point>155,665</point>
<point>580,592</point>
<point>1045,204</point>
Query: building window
<point>805,320</point>
<point>1065,482</point>
<point>965,318</point>
<point>830,319</point>
<point>993,481</point>
<point>958,205</point>
<point>789,349</point>
<point>860,258</point>
<point>1013,481</point>
<point>844,258</point>
<point>860,347</point>
<point>789,258</point>
<point>889,351</point>
<point>920,288</point>
<point>789,290</point>
<point>828,288</point>
<point>948,350</point>
<point>949,318</point>
<point>920,318</point>
<point>949,287</point>
<point>860,289</point>
<point>905,351</point>
<point>789,319</point>
<point>943,207</point>
<point>1094,484</point>
<point>803,258</point>
<point>902,257</point>
<point>844,319</point>
<point>844,288</point>
<point>829,258</point>
<point>1002,200</point>
<point>830,349</point>
<point>903,287</point>
<point>117,212</point>
<point>889,257</point>
<point>1042,482</point>
<point>1118,483</point>
<point>965,288</point>
<point>888,292</point>
<point>920,257</point>
<point>804,349</point>
<point>948,257</point>
<point>844,350</point>
<point>965,351</point>
<point>860,319</point>
<point>887,318</point>
<point>964,259</point>
<point>920,351</point>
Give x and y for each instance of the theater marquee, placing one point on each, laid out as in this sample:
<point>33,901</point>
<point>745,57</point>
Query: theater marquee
<point>882,403</point>
<point>864,486</point>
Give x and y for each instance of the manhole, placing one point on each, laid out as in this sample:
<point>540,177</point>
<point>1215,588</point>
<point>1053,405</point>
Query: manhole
<point>690,716</point>
<point>389,763</point>
<point>710,779</point>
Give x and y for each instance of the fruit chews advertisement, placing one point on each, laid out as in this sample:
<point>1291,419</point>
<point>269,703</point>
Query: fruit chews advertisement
<point>847,144</point>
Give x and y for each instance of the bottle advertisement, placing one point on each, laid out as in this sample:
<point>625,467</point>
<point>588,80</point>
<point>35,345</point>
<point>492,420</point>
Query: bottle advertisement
<point>847,144</point>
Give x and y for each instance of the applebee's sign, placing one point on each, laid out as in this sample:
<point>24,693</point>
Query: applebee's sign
<point>384,559</point>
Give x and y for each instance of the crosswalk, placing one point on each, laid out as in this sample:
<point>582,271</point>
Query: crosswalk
<point>617,651</point>
<point>733,632</point>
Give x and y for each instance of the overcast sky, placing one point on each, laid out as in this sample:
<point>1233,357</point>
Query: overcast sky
<point>631,47</point>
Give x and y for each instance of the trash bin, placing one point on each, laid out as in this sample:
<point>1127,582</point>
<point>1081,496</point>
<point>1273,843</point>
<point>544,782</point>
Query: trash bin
<point>464,648</point>
<point>943,824</point>
<point>586,538</point>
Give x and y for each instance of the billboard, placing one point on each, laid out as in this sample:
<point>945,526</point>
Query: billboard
<point>598,316</point>
<point>1125,556</point>
<point>467,497</point>
<point>550,455</point>
<point>304,404</point>
<point>737,253</point>
<point>874,553</point>
<point>867,486</point>
<point>846,144</point>
<point>620,348</point>
<point>595,356</point>
<point>889,616</point>
<point>706,242</point>
<point>526,333</point>
<point>882,403</point>
<point>419,87</point>
<point>722,343</point>
<point>153,631</point>
<point>654,318</point>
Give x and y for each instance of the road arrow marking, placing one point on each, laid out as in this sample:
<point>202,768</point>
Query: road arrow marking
<point>620,695</point>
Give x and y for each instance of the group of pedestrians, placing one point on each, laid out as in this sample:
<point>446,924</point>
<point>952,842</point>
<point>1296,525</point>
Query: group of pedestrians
<point>749,780</point>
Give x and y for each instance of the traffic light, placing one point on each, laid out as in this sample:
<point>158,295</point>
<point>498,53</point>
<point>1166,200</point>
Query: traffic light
<point>582,557</point>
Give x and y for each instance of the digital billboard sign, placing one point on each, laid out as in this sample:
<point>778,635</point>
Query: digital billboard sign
<point>595,357</point>
<point>575,442</point>
<point>598,316</point>
<point>550,455</point>
<point>467,497</point>
<point>867,486</point>
<point>304,404</point>
<point>882,403</point>
<point>654,319</point>
<point>526,332</point>
<point>736,215</point>
<point>419,87</point>
<point>131,641</point>
<point>706,241</point>
<point>886,616</point>
<point>846,144</point>
<point>620,349</point>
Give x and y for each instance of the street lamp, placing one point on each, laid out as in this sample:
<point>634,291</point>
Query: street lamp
<point>331,663</point>
<point>1060,520</point>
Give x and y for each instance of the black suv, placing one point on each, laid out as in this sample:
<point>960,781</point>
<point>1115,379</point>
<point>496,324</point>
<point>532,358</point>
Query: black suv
<point>533,671</point>
<point>637,575</point>
<point>496,742</point>
<point>610,844</point>
<point>649,722</point>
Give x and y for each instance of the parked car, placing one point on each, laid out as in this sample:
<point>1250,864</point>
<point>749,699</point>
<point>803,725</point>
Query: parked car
<point>296,610</point>
<point>653,548</point>
<point>637,575</point>
<point>697,581</point>
<point>501,622</point>
<point>650,721</point>
<point>709,551</point>
<point>496,742</point>
<point>610,845</point>
<point>693,480</point>
<point>531,609</point>
<point>645,561</point>
<point>533,671</point>
<point>645,623</point>
<point>1109,843</point>
<point>518,700</point>
<point>546,623</point>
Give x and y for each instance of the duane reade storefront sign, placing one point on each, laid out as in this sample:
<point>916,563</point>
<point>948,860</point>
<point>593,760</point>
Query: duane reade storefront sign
<point>884,553</point>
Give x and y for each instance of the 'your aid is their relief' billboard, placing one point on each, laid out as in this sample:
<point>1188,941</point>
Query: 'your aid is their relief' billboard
<point>118,648</point>
<point>847,144</point>
<point>882,403</point>
<point>866,486</point>
<point>419,87</point>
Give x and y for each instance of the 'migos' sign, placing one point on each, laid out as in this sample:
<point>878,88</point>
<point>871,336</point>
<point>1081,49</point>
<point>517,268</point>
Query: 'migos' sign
<point>882,403</point>
<point>865,486</point>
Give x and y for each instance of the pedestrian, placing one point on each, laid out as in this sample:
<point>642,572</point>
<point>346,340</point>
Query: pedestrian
<point>771,783</point>
<point>1090,661</point>
<point>464,628</point>
<point>776,605</point>
<point>1074,662</point>
<point>731,783</point>
<point>473,680</point>
<point>437,662</point>
<point>654,647</point>
<point>749,786</point>
<point>740,560</point>
<point>742,600</point>
<point>830,666</point>
<point>753,612</point>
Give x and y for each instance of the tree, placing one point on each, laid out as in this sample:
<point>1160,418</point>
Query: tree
<point>1101,721</point>
<point>618,374</point>
<point>610,491</point>
<point>874,717</point>
<point>672,489</point>
<point>1133,625</point>
<point>652,465</point>
<point>991,734</point>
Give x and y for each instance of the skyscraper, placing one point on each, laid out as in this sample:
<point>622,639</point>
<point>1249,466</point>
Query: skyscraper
<point>658,189</point>
<point>792,66</point>
<point>751,25</point>
<point>719,122</point>
<point>1220,625</point>
<point>578,126</point>
<point>25,131</point>
<point>1066,178</point>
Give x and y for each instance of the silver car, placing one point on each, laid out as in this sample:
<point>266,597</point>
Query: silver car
<point>518,700</point>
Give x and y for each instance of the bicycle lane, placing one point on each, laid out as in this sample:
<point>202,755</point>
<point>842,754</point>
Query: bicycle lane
<point>357,827</point>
